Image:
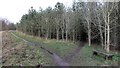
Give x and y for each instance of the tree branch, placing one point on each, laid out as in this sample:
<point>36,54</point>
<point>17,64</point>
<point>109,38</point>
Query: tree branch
<point>114,27</point>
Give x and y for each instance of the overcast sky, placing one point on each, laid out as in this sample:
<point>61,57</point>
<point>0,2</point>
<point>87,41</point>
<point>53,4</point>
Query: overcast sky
<point>14,9</point>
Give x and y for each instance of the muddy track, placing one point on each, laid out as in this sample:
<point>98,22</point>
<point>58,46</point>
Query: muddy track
<point>69,57</point>
<point>57,60</point>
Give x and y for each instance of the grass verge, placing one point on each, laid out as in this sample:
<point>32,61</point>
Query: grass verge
<point>86,58</point>
<point>63,48</point>
<point>20,54</point>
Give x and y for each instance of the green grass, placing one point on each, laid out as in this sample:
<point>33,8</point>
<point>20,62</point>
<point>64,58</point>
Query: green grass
<point>63,48</point>
<point>86,58</point>
<point>26,55</point>
<point>29,56</point>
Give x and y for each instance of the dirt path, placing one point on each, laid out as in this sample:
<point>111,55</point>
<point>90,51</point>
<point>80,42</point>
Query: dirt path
<point>75,52</point>
<point>57,60</point>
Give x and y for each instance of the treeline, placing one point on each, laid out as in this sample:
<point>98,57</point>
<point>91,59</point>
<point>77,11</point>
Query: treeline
<point>99,20</point>
<point>6,25</point>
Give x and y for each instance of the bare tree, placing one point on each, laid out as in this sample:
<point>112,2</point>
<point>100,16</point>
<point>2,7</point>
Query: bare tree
<point>107,10</point>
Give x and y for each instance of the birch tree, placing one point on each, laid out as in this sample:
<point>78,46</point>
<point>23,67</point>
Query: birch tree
<point>107,11</point>
<point>87,12</point>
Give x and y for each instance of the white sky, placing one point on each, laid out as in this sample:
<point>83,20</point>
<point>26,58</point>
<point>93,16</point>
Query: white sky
<point>14,9</point>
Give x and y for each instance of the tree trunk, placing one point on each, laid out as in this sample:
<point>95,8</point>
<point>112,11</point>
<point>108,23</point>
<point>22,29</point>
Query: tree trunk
<point>66,35</point>
<point>57,29</point>
<point>108,38</point>
<point>73,35</point>
<point>42,31</point>
<point>101,34</point>
<point>39,33</point>
<point>89,33</point>
<point>47,35</point>
<point>62,34</point>
<point>67,28</point>
<point>108,35</point>
<point>50,34</point>
<point>89,36</point>
<point>57,33</point>
<point>105,34</point>
<point>115,34</point>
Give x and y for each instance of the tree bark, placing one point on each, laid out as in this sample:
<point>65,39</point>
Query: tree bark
<point>73,35</point>
<point>47,34</point>
<point>105,34</point>
<point>108,35</point>
<point>89,33</point>
<point>66,32</point>
<point>66,35</point>
<point>101,34</point>
<point>115,33</point>
<point>62,34</point>
<point>50,33</point>
<point>57,33</point>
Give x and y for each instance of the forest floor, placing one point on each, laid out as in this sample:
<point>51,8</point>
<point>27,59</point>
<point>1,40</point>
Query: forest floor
<point>27,50</point>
